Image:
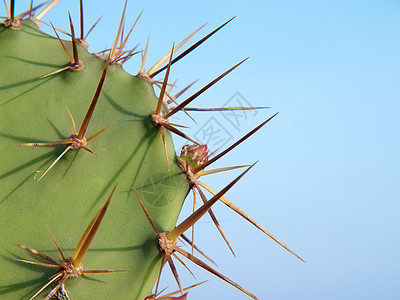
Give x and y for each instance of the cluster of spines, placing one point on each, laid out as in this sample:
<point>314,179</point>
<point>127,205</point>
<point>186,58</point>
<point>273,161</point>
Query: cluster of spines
<point>71,267</point>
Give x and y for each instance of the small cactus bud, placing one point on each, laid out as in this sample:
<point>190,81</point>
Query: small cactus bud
<point>195,155</point>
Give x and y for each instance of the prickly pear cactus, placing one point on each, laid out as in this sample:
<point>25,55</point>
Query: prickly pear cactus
<point>129,153</point>
<point>77,130</point>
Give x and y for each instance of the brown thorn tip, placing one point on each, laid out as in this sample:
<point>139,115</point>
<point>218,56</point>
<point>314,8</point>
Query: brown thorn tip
<point>81,18</point>
<point>144,54</point>
<point>12,8</point>
<point>120,29</point>
<point>55,242</point>
<point>202,90</point>
<point>62,44</point>
<point>89,113</point>
<point>165,57</point>
<point>30,9</point>
<point>74,48</point>
<point>146,213</point>
<point>165,148</point>
<point>164,86</point>
<point>191,48</point>
<point>94,226</point>
<point>91,28</point>
<point>125,40</point>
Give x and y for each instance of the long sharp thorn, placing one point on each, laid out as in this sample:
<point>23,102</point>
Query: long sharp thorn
<point>88,116</point>
<point>83,237</point>
<point>41,255</point>
<point>223,108</point>
<point>51,266</point>
<point>72,120</point>
<point>210,161</point>
<point>183,264</point>
<point>162,92</point>
<point>203,173</point>
<point>54,162</point>
<point>147,214</point>
<point>193,218</point>
<point>62,142</point>
<point>167,92</point>
<point>214,219</point>
<point>102,271</point>
<point>91,28</point>
<point>58,29</point>
<point>165,147</point>
<point>174,272</point>
<point>88,150</point>
<point>246,217</point>
<point>163,258</point>
<point>12,8</point>
<point>89,238</point>
<point>81,18</point>
<point>123,42</point>
<point>194,209</point>
<point>185,89</point>
<point>180,133</point>
<point>98,132</point>
<point>198,93</point>
<point>212,271</point>
<point>55,72</point>
<point>121,39</point>
<point>57,246</point>
<point>62,44</point>
<point>74,48</point>
<point>31,9</point>
<point>121,24</point>
<point>191,48</point>
<point>144,56</point>
<point>165,57</point>
<point>46,9</point>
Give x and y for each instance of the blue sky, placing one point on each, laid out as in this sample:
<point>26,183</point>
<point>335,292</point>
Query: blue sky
<point>326,182</point>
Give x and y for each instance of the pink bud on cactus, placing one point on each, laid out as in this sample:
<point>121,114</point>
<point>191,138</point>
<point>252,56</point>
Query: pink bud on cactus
<point>195,155</point>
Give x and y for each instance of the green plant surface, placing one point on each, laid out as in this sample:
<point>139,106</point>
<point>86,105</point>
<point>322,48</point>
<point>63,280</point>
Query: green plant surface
<point>129,153</point>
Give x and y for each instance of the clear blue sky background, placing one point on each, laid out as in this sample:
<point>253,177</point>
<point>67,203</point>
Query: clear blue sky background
<point>328,164</point>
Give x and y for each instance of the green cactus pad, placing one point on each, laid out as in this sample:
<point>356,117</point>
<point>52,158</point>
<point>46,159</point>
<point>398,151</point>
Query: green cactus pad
<point>129,153</point>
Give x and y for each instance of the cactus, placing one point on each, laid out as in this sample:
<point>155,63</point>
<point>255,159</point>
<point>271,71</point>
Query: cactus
<point>75,128</point>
